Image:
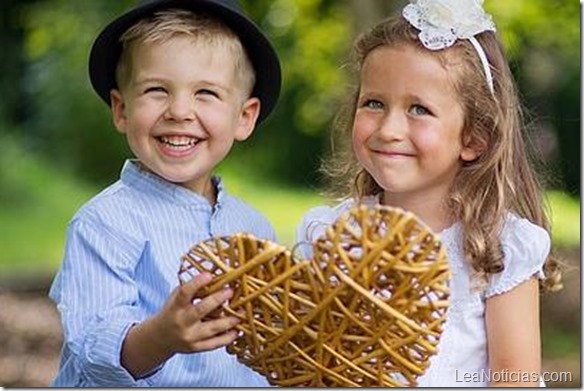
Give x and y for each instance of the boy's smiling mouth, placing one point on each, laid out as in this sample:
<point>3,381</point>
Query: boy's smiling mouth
<point>178,142</point>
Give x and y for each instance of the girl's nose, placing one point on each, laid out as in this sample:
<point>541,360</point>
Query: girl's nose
<point>393,126</point>
<point>180,108</point>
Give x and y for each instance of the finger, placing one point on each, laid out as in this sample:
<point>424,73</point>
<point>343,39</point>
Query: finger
<point>214,328</point>
<point>186,292</point>
<point>215,342</point>
<point>210,303</point>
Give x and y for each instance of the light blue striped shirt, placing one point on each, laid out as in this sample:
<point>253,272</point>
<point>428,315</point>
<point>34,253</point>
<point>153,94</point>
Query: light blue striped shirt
<point>120,265</point>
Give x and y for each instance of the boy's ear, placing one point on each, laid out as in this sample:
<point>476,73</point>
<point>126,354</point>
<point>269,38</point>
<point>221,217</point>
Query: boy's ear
<point>118,108</point>
<point>250,111</point>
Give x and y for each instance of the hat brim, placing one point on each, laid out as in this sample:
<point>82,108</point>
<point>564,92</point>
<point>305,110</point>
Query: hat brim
<point>106,49</point>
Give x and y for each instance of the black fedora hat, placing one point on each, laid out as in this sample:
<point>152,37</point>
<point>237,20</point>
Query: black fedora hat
<point>106,49</point>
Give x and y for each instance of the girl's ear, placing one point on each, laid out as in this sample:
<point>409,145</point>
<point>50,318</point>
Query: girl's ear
<point>247,119</point>
<point>472,148</point>
<point>118,108</point>
<point>468,154</point>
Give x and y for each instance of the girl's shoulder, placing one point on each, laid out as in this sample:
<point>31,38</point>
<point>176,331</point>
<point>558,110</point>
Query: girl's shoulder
<point>526,247</point>
<point>521,238</point>
<point>316,220</point>
<point>518,229</point>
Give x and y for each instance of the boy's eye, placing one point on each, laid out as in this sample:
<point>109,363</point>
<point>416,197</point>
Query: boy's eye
<point>154,89</point>
<point>205,91</point>
<point>419,110</point>
<point>373,104</point>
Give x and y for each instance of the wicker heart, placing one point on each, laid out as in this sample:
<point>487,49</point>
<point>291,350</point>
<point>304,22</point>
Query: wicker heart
<point>367,310</point>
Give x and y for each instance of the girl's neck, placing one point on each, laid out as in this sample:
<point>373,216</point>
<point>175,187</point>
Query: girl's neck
<point>430,210</point>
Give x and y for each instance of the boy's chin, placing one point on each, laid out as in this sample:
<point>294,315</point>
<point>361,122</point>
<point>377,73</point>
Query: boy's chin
<point>198,182</point>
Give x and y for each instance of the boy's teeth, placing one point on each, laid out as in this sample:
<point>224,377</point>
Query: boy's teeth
<point>179,141</point>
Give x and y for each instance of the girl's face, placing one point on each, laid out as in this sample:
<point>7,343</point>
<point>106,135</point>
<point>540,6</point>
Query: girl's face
<point>408,124</point>
<point>182,108</point>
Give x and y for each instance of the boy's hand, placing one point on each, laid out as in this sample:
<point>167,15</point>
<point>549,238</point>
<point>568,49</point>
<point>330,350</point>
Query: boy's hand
<point>180,323</point>
<point>179,328</point>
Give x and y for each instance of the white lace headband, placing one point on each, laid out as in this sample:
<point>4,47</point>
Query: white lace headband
<point>442,22</point>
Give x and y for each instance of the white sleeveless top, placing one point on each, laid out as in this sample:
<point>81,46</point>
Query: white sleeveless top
<point>462,359</point>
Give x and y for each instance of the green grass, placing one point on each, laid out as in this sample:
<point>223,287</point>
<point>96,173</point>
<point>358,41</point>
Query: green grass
<point>559,343</point>
<point>37,201</point>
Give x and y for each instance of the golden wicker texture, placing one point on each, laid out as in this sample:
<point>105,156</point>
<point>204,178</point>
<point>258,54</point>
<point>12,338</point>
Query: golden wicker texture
<point>367,310</point>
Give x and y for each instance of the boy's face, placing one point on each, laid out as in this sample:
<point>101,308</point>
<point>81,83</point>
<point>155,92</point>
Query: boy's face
<point>182,108</point>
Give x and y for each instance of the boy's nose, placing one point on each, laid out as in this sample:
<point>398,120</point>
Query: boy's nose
<point>180,108</point>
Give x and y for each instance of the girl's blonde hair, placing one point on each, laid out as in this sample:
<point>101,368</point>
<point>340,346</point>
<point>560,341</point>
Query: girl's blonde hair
<point>165,25</point>
<point>500,180</point>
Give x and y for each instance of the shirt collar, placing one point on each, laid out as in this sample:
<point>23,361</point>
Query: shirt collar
<point>133,175</point>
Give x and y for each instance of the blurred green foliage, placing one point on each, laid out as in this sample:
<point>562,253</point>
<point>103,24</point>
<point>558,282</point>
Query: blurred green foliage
<point>67,122</point>
<point>49,103</point>
<point>565,219</point>
<point>543,41</point>
<point>311,39</point>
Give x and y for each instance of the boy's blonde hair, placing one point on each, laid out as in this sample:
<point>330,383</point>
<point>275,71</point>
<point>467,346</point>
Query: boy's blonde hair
<point>165,25</point>
<point>500,180</point>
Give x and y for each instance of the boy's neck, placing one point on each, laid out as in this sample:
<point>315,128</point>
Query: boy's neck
<point>210,193</point>
<point>209,190</point>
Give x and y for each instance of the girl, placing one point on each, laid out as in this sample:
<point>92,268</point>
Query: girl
<point>435,128</point>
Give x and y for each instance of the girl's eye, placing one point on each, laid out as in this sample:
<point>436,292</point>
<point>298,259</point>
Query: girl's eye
<point>419,110</point>
<point>373,104</point>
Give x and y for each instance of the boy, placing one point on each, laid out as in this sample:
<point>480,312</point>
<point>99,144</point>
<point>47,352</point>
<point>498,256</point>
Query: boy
<point>184,79</point>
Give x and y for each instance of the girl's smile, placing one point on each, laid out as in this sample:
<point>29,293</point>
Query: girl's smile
<point>392,154</point>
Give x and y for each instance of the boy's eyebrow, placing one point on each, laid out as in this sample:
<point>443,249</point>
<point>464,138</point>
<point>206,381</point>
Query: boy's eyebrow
<point>146,80</point>
<point>160,79</point>
<point>155,80</point>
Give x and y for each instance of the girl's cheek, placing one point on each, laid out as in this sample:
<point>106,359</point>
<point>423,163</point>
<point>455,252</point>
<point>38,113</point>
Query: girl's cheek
<point>361,134</point>
<point>356,136</point>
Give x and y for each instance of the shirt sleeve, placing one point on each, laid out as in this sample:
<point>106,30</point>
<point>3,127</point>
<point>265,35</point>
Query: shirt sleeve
<point>97,297</point>
<point>314,224</point>
<point>526,247</point>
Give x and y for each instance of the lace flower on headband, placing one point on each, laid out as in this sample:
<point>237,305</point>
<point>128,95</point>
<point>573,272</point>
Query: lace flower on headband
<point>442,22</point>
